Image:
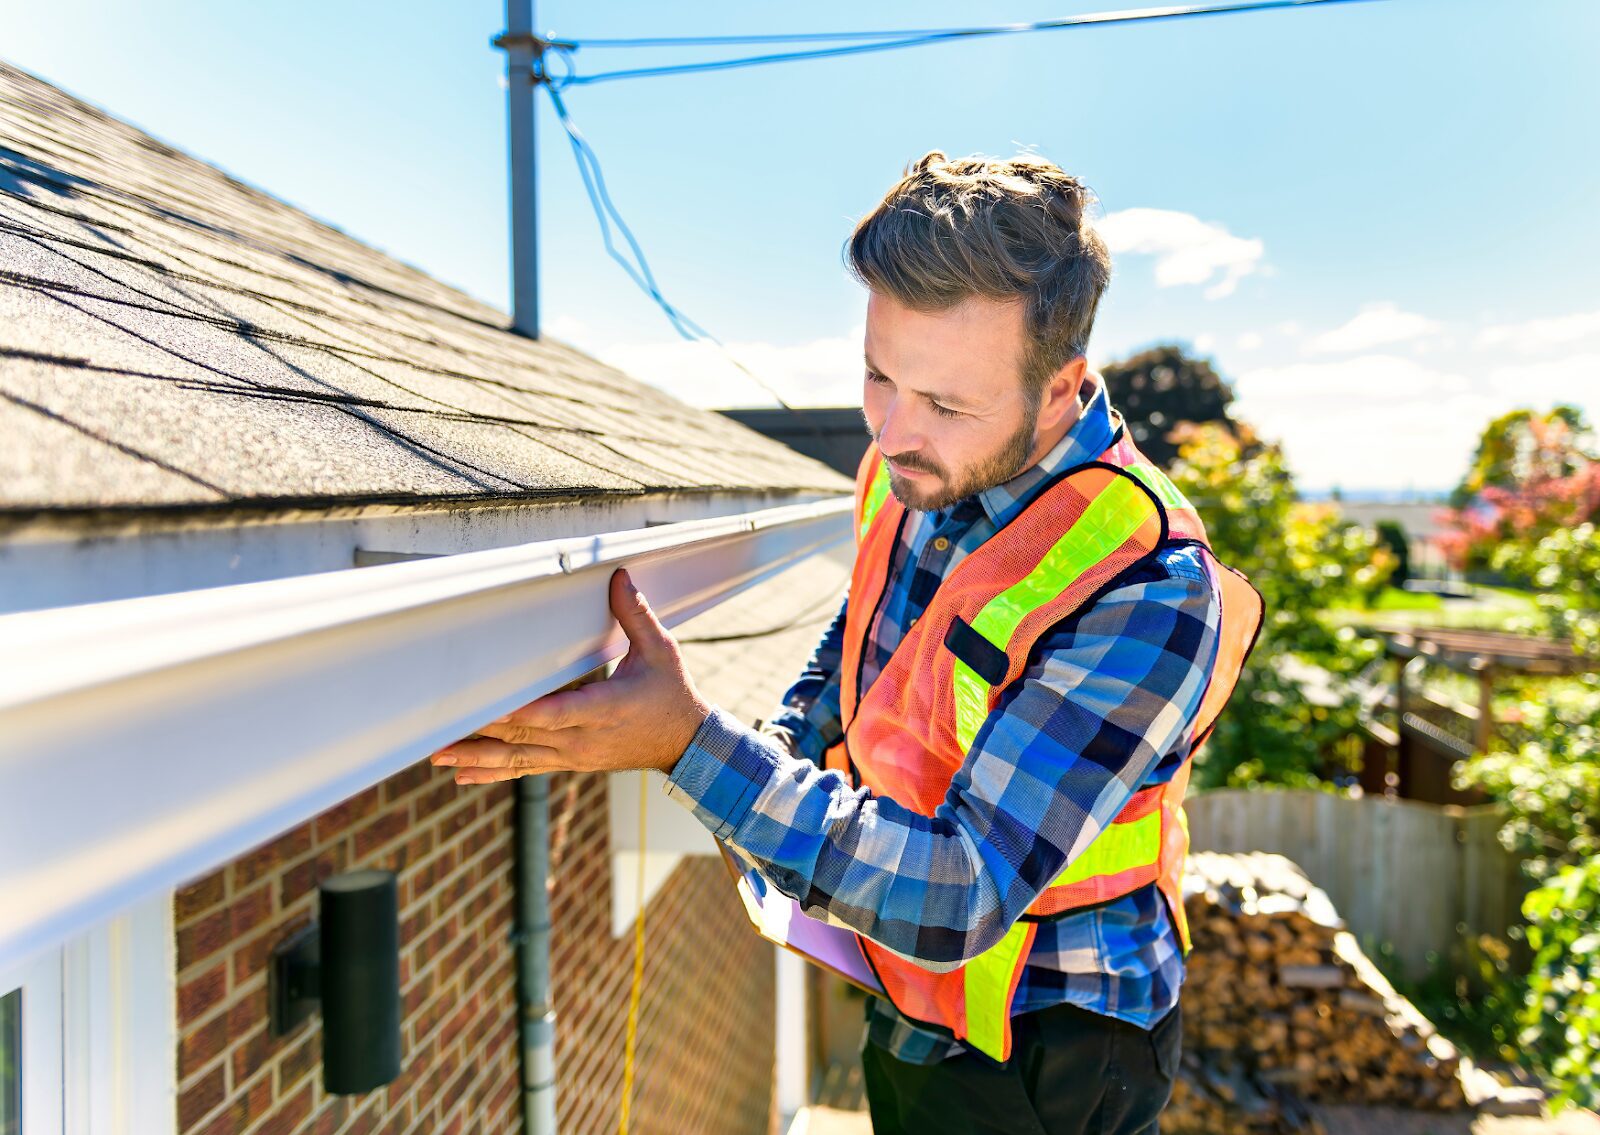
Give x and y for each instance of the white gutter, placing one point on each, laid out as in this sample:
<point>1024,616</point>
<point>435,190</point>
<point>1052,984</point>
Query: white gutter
<point>145,741</point>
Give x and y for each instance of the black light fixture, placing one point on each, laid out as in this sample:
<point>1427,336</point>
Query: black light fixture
<point>348,963</point>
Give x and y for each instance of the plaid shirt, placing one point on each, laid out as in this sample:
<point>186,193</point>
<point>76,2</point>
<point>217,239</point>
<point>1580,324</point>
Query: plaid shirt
<point>1105,707</point>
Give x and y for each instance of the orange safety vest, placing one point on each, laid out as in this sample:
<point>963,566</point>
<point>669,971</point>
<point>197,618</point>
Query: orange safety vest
<point>907,735</point>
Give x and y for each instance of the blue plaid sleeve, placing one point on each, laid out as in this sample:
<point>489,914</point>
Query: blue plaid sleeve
<point>810,713</point>
<point>1106,694</point>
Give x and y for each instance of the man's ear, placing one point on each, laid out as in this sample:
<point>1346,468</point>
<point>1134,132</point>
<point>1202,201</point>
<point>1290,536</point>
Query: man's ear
<point>1059,400</point>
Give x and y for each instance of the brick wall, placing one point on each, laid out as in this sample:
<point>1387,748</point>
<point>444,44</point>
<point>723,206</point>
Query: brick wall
<point>705,1045</point>
<point>705,1041</point>
<point>452,849</point>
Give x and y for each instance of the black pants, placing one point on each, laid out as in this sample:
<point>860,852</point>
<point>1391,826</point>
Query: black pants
<point>1071,1072</point>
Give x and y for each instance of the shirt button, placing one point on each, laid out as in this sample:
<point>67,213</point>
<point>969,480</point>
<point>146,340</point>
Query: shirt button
<point>941,544</point>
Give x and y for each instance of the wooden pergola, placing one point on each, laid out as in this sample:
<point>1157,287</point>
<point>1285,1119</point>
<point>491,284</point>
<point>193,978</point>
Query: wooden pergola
<point>1416,735</point>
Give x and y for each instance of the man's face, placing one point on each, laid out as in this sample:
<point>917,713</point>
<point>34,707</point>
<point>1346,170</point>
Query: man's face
<point>944,398</point>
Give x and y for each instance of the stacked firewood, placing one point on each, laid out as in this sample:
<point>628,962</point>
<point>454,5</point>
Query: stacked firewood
<point>1281,1008</point>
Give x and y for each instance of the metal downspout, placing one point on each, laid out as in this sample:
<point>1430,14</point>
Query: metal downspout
<point>535,1012</point>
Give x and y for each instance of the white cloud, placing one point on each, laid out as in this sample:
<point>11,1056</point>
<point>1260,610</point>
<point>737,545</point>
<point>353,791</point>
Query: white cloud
<point>1574,379</point>
<point>822,372</point>
<point>1187,249</point>
<point>1373,326</point>
<point>567,328</point>
<point>1204,344</point>
<point>1376,421</point>
<point>1542,334</point>
<point>1249,341</point>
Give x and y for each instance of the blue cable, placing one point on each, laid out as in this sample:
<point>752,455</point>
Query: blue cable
<point>887,42</point>
<point>588,162</point>
<point>594,183</point>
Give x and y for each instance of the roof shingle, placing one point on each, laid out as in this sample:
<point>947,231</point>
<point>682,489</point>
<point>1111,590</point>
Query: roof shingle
<point>170,336</point>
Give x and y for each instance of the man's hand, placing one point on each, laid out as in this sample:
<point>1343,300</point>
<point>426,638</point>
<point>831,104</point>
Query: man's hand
<point>643,716</point>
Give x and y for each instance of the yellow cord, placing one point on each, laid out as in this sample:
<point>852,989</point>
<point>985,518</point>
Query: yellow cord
<point>638,964</point>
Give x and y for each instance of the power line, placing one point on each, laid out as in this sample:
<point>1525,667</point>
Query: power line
<point>886,40</point>
<point>594,183</point>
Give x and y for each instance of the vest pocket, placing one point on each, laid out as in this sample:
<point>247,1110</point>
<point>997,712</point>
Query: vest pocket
<point>982,657</point>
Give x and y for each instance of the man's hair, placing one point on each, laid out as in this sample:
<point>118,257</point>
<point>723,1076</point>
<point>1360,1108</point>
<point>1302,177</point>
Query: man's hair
<point>1005,229</point>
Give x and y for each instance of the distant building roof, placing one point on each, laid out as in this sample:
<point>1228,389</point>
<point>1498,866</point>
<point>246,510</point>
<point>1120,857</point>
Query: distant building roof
<point>173,338</point>
<point>835,435</point>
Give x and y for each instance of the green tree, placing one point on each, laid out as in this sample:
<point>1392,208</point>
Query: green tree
<point>1393,535</point>
<point>1533,475</point>
<point>1161,388</point>
<point>1524,446</point>
<point>1303,559</point>
<point>1545,769</point>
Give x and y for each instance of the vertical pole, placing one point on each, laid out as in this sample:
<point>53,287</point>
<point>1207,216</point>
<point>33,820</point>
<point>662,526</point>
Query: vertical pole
<point>537,1014</point>
<point>1483,735</point>
<point>522,50</point>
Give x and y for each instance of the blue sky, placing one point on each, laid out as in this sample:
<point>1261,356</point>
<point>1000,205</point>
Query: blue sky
<point>1377,218</point>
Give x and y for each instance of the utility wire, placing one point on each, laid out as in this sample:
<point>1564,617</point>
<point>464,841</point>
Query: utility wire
<point>594,182</point>
<point>889,40</point>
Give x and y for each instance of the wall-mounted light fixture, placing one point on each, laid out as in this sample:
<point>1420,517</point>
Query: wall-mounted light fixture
<point>348,963</point>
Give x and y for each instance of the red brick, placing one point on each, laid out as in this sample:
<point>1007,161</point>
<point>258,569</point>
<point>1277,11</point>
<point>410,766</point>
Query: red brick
<point>251,1053</point>
<point>248,911</point>
<point>248,1009</point>
<point>364,1123</point>
<point>195,1101</point>
<point>419,846</point>
<point>200,939</point>
<point>289,1115</point>
<point>301,879</point>
<point>200,993</point>
<point>269,857</point>
<point>407,782</point>
<point>200,896</point>
<point>441,795</point>
<point>200,1046</point>
<point>341,817</point>
<point>254,955</point>
<point>414,997</point>
<point>384,830</point>
<point>299,1060</point>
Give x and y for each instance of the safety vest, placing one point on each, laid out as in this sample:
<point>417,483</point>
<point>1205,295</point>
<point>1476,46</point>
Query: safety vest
<point>907,734</point>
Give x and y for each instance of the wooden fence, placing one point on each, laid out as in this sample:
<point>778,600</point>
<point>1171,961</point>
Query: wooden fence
<point>1415,876</point>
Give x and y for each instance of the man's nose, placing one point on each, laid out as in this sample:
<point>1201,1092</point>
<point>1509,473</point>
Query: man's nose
<point>898,434</point>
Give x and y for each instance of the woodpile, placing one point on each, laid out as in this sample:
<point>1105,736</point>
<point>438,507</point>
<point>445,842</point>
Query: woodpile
<point>1281,1008</point>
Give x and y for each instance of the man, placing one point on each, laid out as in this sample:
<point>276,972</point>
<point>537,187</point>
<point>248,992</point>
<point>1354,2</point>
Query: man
<point>981,769</point>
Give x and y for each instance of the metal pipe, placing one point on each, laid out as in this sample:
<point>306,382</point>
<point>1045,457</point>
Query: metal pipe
<point>535,1012</point>
<point>522,48</point>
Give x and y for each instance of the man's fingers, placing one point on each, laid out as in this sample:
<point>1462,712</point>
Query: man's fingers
<point>489,753</point>
<point>560,710</point>
<point>491,775</point>
<point>632,611</point>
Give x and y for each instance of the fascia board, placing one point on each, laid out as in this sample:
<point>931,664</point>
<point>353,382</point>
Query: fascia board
<point>145,741</point>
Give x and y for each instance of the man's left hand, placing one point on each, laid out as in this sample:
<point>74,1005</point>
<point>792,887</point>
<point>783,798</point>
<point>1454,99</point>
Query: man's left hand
<point>643,716</point>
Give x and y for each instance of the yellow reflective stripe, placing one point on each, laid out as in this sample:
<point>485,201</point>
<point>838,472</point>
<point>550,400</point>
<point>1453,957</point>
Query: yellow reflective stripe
<point>987,988</point>
<point>1114,514</point>
<point>1117,848</point>
<point>877,493</point>
<point>972,703</point>
<point>1160,484</point>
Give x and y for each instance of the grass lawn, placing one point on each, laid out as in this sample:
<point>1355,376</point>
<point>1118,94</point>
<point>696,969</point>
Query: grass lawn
<point>1489,608</point>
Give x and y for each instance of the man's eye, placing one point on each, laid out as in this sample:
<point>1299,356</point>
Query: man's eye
<point>874,376</point>
<point>945,411</point>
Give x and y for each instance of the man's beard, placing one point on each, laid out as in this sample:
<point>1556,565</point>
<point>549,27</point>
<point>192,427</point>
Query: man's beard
<point>1009,460</point>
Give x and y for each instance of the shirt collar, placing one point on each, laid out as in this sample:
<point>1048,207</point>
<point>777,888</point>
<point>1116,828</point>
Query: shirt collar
<point>1086,440</point>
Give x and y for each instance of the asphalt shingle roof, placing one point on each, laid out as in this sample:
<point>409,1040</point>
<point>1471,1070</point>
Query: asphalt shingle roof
<point>170,336</point>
